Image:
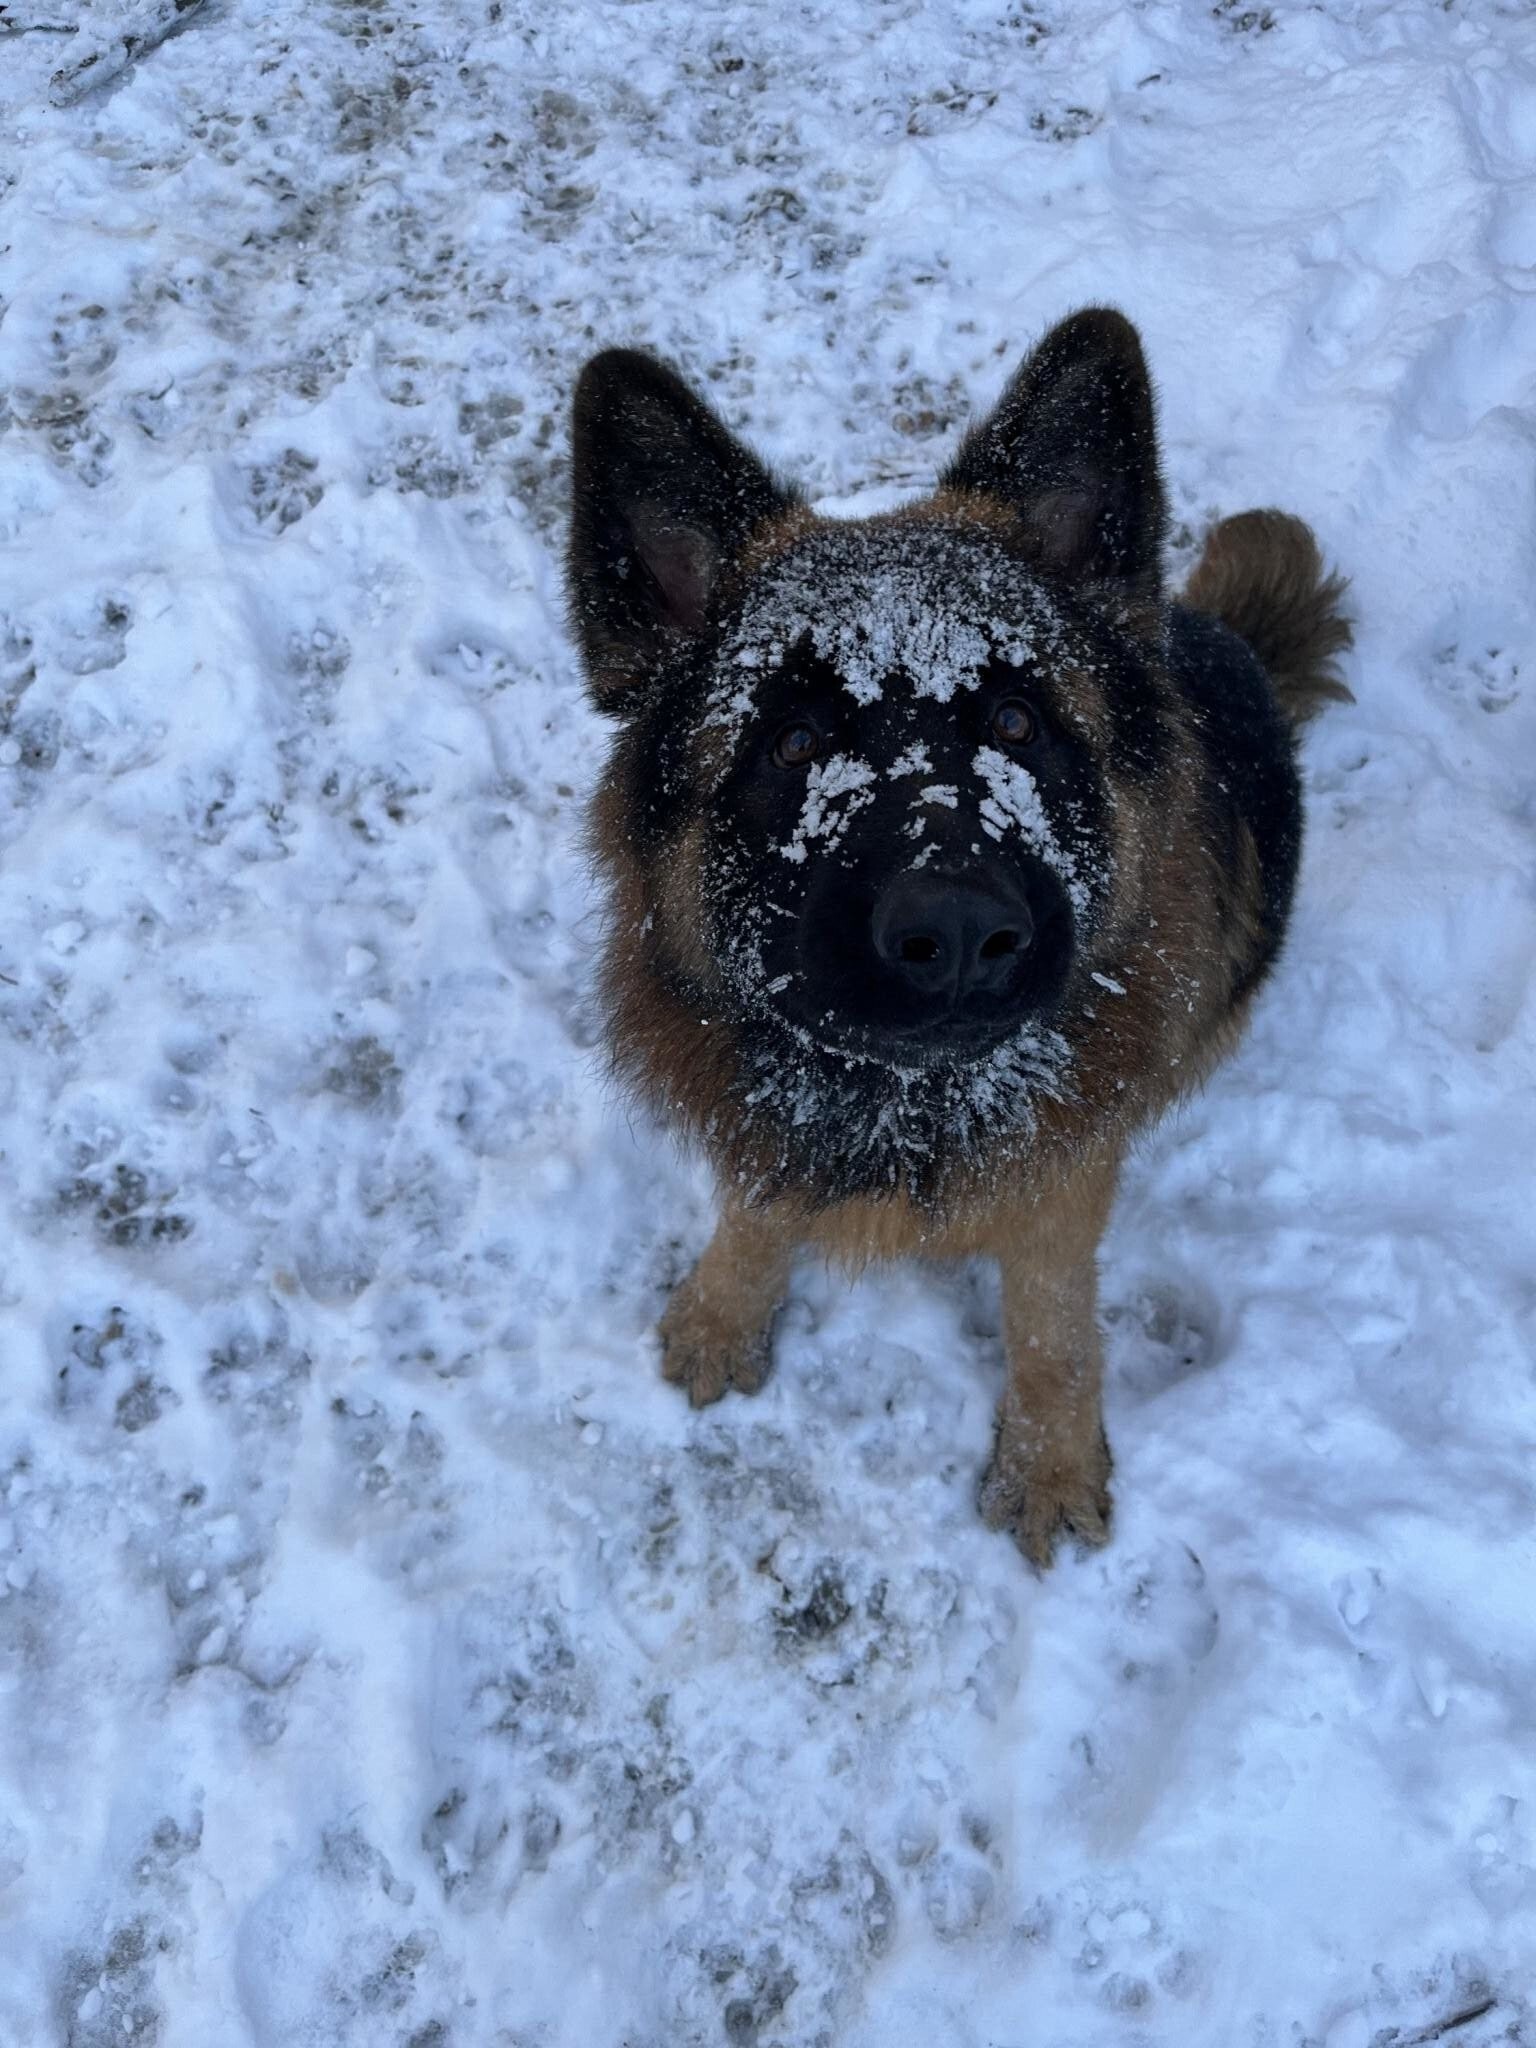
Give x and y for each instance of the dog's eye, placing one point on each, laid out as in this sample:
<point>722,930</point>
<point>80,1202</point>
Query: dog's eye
<point>1014,722</point>
<point>797,745</point>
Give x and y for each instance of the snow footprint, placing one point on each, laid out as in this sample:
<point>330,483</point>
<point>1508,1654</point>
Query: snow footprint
<point>1159,1335</point>
<point>1126,1953</point>
<point>949,1858</point>
<point>1160,1625</point>
<point>1487,676</point>
<point>94,636</point>
<point>476,660</point>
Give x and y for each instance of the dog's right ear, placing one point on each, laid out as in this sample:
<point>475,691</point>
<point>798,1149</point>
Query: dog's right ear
<point>663,500</point>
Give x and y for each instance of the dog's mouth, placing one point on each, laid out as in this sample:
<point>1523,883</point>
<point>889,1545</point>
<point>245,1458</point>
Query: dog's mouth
<point>952,1045</point>
<point>941,1043</point>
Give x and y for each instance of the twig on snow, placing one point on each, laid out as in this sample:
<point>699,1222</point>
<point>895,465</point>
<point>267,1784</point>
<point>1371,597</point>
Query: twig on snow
<point>109,57</point>
<point>1440,2028</point>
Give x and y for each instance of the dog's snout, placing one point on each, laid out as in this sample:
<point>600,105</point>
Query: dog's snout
<point>951,940</point>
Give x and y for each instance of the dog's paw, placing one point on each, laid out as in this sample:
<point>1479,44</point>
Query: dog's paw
<point>1040,1491</point>
<point>705,1357</point>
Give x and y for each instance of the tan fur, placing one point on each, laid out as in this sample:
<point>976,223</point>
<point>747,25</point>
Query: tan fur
<point>1262,575</point>
<point>679,914</point>
<point>774,537</point>
<point>718,1328</point>
<point>1050,1466</point>
<point>957,508</point>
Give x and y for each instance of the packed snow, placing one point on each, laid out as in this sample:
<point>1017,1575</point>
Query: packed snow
<point>387,1655</point>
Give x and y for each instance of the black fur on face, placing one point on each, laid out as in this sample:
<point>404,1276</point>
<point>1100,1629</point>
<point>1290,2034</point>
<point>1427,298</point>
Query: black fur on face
<point>892,746</point>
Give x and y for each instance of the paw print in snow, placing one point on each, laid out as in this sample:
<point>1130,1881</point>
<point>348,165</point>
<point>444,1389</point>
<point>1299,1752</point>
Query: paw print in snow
<point>1488,677</point>
<point>105,1364</point>
<point>280,491</point>
<point>1160,1336</point>
<point>130,1210</point>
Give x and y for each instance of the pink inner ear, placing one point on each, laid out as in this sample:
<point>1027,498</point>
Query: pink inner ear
<point>1062,523</point>
<point>681,562</point>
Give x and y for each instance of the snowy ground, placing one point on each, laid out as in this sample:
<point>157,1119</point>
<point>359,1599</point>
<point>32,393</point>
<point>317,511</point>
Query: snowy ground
<point>386,1654</point>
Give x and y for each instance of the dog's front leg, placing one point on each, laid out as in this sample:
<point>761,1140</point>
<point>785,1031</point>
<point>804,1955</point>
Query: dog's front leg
<point>1049,1474</point>
<point>717,1331</point>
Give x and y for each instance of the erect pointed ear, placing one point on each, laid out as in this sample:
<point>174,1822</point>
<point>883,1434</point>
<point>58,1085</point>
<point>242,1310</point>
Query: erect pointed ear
<point>1072,449</point>
<point>663,500</point>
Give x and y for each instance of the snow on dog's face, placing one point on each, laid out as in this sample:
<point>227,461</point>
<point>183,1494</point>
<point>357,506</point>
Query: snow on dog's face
<point>904,818</point>
<point>880,792</point>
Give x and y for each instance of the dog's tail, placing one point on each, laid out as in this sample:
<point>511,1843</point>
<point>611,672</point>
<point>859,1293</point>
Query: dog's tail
<point>1262,574</point>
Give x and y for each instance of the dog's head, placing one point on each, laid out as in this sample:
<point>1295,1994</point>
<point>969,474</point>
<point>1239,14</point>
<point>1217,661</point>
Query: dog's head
<point>869,791</point>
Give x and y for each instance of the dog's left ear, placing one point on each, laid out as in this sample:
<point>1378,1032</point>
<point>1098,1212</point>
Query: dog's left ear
<point>663,500</point>
<point>1072,449</point>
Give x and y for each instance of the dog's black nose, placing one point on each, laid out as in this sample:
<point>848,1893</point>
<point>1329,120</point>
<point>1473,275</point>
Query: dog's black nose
<point>950,939</point>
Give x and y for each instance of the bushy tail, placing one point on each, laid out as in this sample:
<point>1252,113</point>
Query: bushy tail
<point>1262,575</point>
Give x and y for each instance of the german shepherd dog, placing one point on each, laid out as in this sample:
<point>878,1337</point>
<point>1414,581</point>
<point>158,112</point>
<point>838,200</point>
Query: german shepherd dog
<point>945,849</point>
